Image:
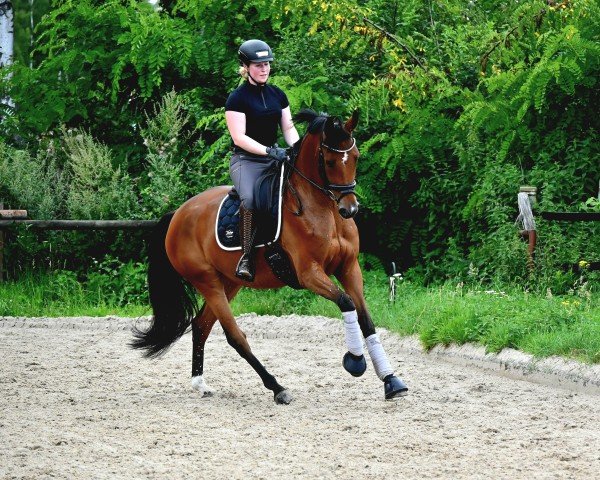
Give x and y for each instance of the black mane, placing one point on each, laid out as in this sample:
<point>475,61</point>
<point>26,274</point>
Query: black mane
<point>321,122</point>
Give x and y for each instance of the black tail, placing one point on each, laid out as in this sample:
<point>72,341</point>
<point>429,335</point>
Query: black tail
<point>173,300</point>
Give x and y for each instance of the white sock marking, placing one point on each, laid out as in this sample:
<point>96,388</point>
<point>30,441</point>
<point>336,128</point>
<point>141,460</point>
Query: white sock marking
<point>200,385</point>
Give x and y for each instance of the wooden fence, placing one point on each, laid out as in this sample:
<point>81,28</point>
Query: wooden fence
<point>10,218</point>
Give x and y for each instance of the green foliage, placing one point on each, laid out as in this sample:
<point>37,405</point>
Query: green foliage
<point>164,129</point>
<point>26,16</point>
<point>62,284</point>
<point>62,293</point>
<point>163,185</point>
<point>36,184</point>
<point>118,283</point>
<point>591,205</point>
<point>98,189</point>
<point>460,104</point>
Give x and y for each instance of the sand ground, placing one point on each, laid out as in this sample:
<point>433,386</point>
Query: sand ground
<point>76,402</point>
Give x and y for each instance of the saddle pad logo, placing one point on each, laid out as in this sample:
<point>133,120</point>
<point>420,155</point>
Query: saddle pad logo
<point>229,233</point>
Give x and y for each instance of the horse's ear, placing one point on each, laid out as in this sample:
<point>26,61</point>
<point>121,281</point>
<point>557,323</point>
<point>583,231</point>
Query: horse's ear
<point>352,122</point>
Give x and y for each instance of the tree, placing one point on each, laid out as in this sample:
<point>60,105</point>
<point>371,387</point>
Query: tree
<point>6,39</point>
<point>460,102</point>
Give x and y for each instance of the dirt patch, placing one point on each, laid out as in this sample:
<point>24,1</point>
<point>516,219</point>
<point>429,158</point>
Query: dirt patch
<point>77,403</point>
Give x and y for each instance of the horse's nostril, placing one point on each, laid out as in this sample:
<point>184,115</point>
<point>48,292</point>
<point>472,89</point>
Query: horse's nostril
<point>345,213</point>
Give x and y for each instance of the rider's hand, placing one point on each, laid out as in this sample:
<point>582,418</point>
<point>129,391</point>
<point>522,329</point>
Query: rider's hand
<point>277,153</point>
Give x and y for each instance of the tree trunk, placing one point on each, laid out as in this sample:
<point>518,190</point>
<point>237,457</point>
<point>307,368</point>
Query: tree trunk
<point>31,26</point>
<point>6,38</point>
<point>6,33</point>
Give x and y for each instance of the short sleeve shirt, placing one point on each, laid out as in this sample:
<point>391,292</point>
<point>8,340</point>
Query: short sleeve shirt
<point>262,105</point>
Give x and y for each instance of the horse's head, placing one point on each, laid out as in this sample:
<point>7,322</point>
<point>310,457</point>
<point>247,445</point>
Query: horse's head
<point>337,160</point>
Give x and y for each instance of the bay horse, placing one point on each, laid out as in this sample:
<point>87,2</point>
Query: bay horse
<point>318,234</point>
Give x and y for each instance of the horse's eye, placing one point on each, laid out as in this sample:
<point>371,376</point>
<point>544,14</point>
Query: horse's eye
<point>330,163</point>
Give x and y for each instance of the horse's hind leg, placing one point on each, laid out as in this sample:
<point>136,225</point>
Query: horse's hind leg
<point>201,328</point>
<point>216,299</point>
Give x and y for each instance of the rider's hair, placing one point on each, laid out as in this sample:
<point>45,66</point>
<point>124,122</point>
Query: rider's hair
<point>243,71</point>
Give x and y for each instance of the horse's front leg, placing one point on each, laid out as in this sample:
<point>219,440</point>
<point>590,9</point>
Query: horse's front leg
<point>315,279</point>
<point>352,281</point>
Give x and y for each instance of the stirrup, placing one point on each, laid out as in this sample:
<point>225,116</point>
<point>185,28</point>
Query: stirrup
<point>244,270</point>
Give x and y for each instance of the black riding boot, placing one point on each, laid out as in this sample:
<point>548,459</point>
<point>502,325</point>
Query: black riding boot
<point>245,267</point>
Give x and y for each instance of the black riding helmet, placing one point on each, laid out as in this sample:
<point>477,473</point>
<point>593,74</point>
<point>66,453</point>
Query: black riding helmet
<point>255,51</point>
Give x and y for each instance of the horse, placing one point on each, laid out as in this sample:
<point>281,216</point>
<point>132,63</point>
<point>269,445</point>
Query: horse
<point>319,236</point>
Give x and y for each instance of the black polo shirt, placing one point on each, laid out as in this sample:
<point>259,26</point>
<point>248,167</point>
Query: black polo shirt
<point>262,105</point>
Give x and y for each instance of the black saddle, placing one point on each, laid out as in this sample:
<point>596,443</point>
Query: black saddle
<point>267,194</point>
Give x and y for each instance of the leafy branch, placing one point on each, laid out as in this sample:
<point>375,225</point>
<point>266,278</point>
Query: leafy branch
<point>396,40</point>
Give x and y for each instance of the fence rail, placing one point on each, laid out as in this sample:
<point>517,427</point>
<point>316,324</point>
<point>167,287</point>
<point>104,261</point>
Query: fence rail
<point>80,224</point>
<point>10,218</point>
<point>571,216</point>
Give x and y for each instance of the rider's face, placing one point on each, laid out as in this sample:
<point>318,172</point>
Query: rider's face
<point>259,71</point>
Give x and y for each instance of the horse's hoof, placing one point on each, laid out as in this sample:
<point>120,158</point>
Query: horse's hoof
<point>200,385</point>
<point>354,365</point>
<point>283,398</point>
<point>393,387</point>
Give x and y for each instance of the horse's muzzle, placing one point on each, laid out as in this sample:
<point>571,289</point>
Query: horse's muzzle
<point>348,211</point>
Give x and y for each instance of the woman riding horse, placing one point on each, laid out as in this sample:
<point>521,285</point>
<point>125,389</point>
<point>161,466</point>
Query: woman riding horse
<point>253,112</point>
<point>318,235</point>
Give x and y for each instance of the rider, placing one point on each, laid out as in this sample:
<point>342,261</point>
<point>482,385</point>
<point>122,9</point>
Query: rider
<point>253,112</point>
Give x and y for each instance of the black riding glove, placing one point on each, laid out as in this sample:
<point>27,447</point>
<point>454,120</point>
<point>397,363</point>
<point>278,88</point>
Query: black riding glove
<point>277,153</point>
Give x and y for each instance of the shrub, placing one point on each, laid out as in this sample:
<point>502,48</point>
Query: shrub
<point>97,188</point>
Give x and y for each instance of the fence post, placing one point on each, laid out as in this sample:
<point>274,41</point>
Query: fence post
<point>392,282</point>
<point>527,197</point>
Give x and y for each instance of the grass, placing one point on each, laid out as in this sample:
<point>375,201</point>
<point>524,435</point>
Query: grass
<point>568,326</point>
<point>62,295</point>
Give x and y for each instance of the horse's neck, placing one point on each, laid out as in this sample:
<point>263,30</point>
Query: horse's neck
<point>307,164</point>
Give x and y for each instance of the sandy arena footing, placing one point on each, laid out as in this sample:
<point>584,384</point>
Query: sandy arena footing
<point>76,402</point>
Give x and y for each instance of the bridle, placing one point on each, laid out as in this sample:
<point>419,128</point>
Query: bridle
<point>329,188</point>
<point>346,189</point>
